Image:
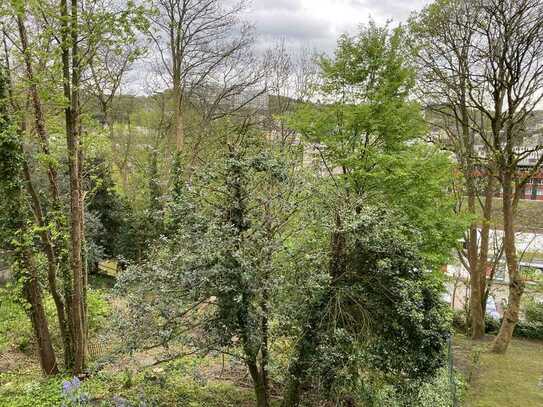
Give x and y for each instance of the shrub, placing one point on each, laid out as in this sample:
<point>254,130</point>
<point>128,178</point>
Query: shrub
<point>459,320</point>
<point>534,311</point>
<point>492,325</point>
<point>529,330</point>
<point>436,392</point>
<point>98,309</point>
<point>15,328</point>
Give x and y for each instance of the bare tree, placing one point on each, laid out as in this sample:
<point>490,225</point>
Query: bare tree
<point>290,76</point>
<point>445,34</point>
<point>505,87</point>
<point>107,71</point>
<point>203,46</point>
<point>106,75</point>
<point>488,54</point>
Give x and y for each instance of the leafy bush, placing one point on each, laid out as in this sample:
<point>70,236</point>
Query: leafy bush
<point>98,309</point>
<point>534,311</point>
<point>460,324</point>
<point>436,392</point>
<point>492,325</point>
<point>15,328</point>
<point>459,320</point>
<point>529,330</point>
<point>532,328</point>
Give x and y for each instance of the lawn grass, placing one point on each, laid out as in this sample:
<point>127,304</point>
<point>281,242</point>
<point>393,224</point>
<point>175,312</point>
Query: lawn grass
<point>513,379</point>
<point>528,219</point>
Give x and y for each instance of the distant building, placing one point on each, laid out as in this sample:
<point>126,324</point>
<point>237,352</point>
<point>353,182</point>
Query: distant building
<point>529,244</point>
<point>531,149</point>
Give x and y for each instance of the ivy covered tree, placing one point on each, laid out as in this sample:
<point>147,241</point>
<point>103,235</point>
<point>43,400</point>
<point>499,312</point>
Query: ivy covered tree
<point>212,285</point>
<point>17,231</point>
<point>368,134</point>
<point>62,37</point>
<point>375,314</point>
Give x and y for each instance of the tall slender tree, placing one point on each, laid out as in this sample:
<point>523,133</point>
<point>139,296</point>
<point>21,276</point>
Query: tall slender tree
<point>505,89</point>
<point>71,76</point>
<point>15,226</point>
<point>71,34</point>
<point>444,37</point>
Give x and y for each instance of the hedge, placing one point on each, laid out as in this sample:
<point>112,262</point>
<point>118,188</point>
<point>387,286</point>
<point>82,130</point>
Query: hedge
<point>524,329</point>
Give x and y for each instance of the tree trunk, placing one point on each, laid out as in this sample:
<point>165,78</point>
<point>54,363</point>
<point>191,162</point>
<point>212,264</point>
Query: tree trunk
<point>478,273</point>
<point>178,107</point>
<point>305,352</point>
<point>477,323</point>
<point>36,104</point>
<point>310,339</point>
<point>485,239</point>
<point>261,390</point>
<point>32,293</point>
<point>476,311</point>
<point>455,287</point>
<point>264,351</point>
<point>71,77</point>
<point>84,257</point>
<point>516,283</point>
<point>49,246</point>
<point>51,265</point>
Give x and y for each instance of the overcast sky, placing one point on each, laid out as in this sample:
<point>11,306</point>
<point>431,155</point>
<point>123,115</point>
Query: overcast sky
<point>313,24</point>
<point>318,23</point>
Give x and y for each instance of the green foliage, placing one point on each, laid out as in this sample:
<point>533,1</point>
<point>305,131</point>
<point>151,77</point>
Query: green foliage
<point>238,263</point>
<point>106,206</point>
<point>15,328</point>
<point>434,392</point>
<point>180,386</point>
<point>21,391</point>
<point>459,320</point>
<point>370,132</point>
<point>371,66</point>
<point>11,162</point>
<point>534,311</point>
<point>99,310</point>
<point>228,232</point>
<point>492,325</point>
<point>529,330</point>
<point>16,331</point>
<point>383,313</point>
<point>417,182</point>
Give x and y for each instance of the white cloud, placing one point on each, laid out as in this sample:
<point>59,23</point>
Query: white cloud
<point>318,23</point>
